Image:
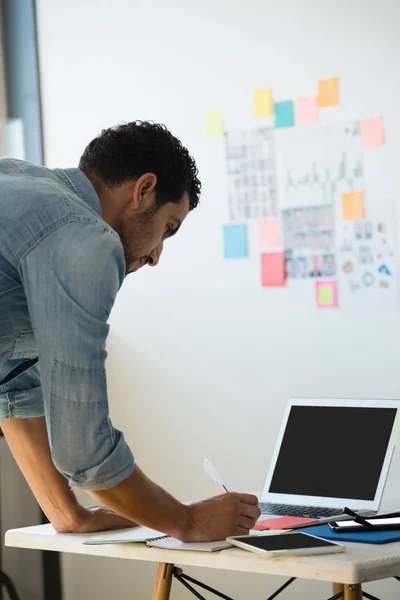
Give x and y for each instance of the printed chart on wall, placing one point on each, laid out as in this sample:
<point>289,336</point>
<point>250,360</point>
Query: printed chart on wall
<point>250,156</point>
<point>367,270</point>
<point>316,165</point>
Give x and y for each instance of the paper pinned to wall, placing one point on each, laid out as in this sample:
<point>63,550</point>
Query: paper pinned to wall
<point>235,241</point>
<point>272,269</point>
<point>306,111</point>
<point>372,133</point>
<point>328,92</point>
<point>326,294</point>
<point>214,124</point>
<point>353,206</point>
<point>318,164</point>
<point>284,114</point>
<point>367,268</point>
<point>250,159</point>
<point>268,232</point>
<point>263,103</point>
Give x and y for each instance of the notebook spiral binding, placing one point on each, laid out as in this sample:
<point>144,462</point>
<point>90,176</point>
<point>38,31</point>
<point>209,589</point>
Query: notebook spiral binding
<point>155,539</point>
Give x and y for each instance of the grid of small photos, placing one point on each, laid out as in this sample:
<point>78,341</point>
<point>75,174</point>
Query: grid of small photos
<point>308,236</point>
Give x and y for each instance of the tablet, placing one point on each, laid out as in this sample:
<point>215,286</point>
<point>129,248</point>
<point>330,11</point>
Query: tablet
<point>285,543</point>
<point>381,523</point>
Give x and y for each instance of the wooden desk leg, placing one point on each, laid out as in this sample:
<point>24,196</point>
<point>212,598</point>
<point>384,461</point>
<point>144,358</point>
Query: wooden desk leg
<point>162,586</point>
<point>338,587</point>
<point>353,592</point>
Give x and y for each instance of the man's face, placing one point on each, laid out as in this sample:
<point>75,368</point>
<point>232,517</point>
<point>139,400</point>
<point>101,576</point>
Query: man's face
<point>143,232</point>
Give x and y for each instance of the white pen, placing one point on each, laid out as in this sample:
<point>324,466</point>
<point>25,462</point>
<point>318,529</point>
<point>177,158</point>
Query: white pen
<point>215,476</point>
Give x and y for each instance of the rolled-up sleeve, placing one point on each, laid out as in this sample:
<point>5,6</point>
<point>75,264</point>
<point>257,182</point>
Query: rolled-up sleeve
<point>71,278</point>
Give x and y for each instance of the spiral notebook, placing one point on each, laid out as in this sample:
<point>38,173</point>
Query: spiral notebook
<point>154,538</point>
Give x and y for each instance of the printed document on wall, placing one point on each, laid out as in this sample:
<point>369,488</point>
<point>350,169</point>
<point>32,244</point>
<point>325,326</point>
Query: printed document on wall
<point>317,164</point>
<point>367,269</point>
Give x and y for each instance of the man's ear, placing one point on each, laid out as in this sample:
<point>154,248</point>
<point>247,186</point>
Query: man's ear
<point>143,191</point>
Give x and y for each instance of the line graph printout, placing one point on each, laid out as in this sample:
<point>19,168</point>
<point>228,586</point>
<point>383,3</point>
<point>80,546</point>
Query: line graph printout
<point>316,165</point>
<point>250,157</point>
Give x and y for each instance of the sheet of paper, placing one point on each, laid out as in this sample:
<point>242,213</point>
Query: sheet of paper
<point>268,232</point>
<point>272,269</point>
<point>284,114</point>
<point>214,125</point>
<point>306,111</point>
<point>328,92</point>
<point>309,242</point>
<point>353,206</point>
<point>251,170</point>
<point>367,267</point>
<point>263,104</point>
<point>371,131</point>
<point>235,241</point>
<point>317,164</point>
<point>326,294</point>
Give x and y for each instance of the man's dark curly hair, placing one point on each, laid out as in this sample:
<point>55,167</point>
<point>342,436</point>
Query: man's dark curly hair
<point>125,152</point>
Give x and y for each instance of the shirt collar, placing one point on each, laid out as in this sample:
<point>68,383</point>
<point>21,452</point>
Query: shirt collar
<point>77,181</point>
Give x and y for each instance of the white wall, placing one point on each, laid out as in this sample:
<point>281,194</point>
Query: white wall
<point>202,359</point>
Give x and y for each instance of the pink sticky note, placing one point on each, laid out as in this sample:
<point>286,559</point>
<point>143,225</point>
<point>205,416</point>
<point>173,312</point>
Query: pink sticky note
<point>268,232</point>
<point>306,111</point>
<point>371,131</point>
<point>281,523</point>
<point>273,269</point>
<point>326,293</point>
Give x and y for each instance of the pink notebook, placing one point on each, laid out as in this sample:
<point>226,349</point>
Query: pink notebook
<point>281,523</point>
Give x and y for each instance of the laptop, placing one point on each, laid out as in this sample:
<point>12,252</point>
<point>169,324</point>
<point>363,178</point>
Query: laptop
<point>331,454</point>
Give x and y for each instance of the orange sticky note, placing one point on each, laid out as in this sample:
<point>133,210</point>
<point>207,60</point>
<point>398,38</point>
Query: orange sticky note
<point>328,92</point>
<point>371,132</point>
<point>263,104</point>
<point>281,523</point>
<point>272,269</point>
<point>353,206</point>
<point>268,232</point>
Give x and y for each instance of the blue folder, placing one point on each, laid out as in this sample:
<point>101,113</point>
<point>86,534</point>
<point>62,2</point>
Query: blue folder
<point>365,537</point>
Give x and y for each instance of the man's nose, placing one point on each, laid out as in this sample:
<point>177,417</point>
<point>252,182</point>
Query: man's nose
<point>155,255</point>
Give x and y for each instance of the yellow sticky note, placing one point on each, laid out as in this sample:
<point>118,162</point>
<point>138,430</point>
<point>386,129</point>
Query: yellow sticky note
<point>328,92</point>
<point>353,206</point>
<point>263,104</point>
<point>395,437</point>
<point>214,124</point>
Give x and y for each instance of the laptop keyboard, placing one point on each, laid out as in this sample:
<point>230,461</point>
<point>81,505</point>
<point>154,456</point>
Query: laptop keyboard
<point>312,512</point>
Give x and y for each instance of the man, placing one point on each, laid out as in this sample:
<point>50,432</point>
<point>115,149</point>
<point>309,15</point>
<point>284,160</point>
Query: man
<point>67,240</point>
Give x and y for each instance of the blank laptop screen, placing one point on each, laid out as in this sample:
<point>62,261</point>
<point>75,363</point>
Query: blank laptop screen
<point>333,451</point>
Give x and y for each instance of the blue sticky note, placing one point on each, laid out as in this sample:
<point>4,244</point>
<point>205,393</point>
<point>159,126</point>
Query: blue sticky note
<point>284,114</point>
<point>235,241</point>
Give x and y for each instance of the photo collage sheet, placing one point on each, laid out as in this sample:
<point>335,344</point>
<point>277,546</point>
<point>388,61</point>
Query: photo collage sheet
<point>303,184</point>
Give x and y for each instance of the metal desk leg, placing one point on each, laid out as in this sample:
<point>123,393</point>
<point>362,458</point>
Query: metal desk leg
<point>353,592</point>
<point>162,586</point>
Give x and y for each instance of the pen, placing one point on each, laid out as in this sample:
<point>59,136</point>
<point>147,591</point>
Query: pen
<point>215,476</point>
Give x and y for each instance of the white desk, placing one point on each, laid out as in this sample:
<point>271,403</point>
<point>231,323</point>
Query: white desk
<point>359,564</point>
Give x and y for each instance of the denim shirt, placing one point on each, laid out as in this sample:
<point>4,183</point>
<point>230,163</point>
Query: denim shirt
<point>61,267</point>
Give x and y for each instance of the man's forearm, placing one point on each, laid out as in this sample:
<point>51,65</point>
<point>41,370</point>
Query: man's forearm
<point>28,441</point>
<point>141,500</point>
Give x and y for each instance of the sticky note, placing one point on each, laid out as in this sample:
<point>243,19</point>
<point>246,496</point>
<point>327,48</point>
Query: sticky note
<point>326,293</point>
<point>284,116</point>
<point>272,269</point>
<point>306,111</point>
<point>328,92</point>
<point>353,206</point>
<point>371,132</point>
<point>263,104</point>
<point>281,523</point>
<point>395,436</point>
<point>214,124</point>
<point>235,241</point>
<point>268,232</point>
